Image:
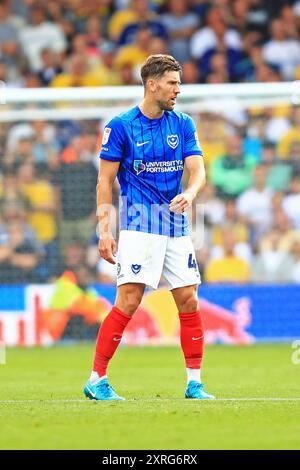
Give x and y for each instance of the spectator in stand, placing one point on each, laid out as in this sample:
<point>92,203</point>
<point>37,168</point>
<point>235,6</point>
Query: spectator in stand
<point>180,24</point>
<point>190,73</point>
<point>293,157</point>
<point>267,73</point>
<point>258,16</point>
<point>50,66</point>
<point>242,248</point>
<point>41,34</point>
<point>295,271</point>
<point>246,68</point>
<point>76,74</point>
<point>291,202</point>
<point>213,206</point>
<point>81,47</point>
<point>76,182</point>
<point>23,152</point>
<point>281,50</point>
<point>212,131</point>
<point>279,172</point>
<point>254,205</point>
<point>42,209</point>
<point>278,123</point>
<point>73,255</point>
<point>9,44</point>
<point>232,220</point>
<point>218,67</point>
<point>255,130</point>
<point>231,173</point>
<point>283,227</point>
<point>228,268</point>
<point>137,11</point>
<point>289,19</point>
<point>239,16</point>
<point>272,264</point>
<point>10,191</point>
<point>158,46</point>
<point>135,54</point>
<point>45,146</point>
<point>215,37</point>
<point>291,136</point>
<point>109,74</point>
<point>146,18</point>
<point>41,197</point>
<point>20,252</point>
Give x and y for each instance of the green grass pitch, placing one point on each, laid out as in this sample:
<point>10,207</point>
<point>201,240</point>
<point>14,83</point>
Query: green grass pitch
<point>258,405</point>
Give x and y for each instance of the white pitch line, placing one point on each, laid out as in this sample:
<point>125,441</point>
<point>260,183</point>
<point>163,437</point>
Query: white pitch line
<point>54,401</point>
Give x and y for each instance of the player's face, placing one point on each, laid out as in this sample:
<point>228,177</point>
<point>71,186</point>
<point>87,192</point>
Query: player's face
<point>166,90</point>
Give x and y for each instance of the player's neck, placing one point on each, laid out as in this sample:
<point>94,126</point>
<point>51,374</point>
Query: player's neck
<point>150,109</point>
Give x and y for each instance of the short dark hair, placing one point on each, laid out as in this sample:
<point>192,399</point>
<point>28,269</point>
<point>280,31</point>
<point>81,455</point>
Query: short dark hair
<point>157,65</point>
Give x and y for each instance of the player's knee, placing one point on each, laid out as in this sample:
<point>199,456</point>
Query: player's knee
<point>190,304</point>
<point>130,301</point>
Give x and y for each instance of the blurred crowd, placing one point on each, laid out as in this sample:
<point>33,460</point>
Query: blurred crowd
<point>62,43</point>
<point>250,205</point>
<point>48,170</point>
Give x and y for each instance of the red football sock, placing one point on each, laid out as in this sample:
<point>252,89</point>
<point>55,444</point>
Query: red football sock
<point>109,337</point>
<point>191,338</point>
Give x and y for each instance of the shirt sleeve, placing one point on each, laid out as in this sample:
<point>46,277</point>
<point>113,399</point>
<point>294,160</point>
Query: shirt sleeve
<point>192,146</point>
<point>113,141</point>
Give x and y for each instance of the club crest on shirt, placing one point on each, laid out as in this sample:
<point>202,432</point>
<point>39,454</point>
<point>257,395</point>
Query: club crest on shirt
<point>173,140</point>
<point>135,268</point>
<point>106,133</point>
<point>139,166</point>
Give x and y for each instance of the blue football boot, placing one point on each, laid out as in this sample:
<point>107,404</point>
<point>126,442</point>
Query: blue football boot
<point>101,391</point>
<point>195,390</point>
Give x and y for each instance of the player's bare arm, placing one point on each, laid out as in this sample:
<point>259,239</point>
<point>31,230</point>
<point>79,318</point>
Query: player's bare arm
<point>196,182</point>
<point>107,175</point>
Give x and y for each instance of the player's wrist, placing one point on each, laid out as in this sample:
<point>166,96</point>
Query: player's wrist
<point>191,193</point>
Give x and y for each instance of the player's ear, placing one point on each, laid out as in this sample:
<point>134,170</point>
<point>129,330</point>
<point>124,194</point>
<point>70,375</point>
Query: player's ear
<point>152,84</point>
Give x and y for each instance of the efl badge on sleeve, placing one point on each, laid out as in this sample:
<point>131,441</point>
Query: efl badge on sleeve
<point>106,133</point>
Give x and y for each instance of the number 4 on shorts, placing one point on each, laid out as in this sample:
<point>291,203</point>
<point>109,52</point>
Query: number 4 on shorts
<point>192,261</point>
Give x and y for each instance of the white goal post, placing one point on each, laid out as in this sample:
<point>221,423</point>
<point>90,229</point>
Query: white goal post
<point>26,104</point>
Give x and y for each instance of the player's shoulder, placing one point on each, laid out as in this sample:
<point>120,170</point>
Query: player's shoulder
<point>183,118</point>
<point>123,119</point>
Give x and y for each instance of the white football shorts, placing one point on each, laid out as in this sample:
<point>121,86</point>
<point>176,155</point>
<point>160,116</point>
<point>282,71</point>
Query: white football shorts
<point>145,257</point>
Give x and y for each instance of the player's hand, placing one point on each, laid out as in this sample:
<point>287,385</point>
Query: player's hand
<point>181,202</point>
<point>108,249</point>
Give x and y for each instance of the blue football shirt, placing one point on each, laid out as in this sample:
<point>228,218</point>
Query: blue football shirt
<point>151,153</point>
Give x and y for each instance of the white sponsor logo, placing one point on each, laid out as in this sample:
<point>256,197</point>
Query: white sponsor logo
<point>196,339</point>
<point>139,144</point>
<point>117,339</point>
<point>106,134</point>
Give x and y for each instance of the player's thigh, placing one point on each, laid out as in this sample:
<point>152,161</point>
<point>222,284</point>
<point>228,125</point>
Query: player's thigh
<point>129,297</point>
<point>180,265</point>
<point>186,298</point>
<point>140,258</point>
